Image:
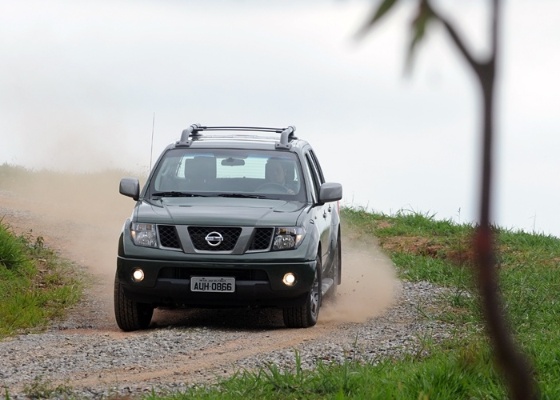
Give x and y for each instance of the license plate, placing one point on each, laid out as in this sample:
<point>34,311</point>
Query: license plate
<point>212,284</point>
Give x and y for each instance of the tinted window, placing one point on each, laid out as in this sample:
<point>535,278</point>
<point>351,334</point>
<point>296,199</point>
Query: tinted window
<point>317,166</point>
<point>314,179</point>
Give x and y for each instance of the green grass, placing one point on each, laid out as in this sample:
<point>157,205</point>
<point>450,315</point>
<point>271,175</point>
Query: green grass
<point>35,285</point>
<point>445,375</point>
<point>426,249</point>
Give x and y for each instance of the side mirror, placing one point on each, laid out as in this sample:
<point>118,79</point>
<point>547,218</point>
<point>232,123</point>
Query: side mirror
<point>330,191</point>
<point>130,187</point>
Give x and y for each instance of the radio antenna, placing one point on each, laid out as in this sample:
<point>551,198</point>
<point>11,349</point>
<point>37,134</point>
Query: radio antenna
<point>152,144</point>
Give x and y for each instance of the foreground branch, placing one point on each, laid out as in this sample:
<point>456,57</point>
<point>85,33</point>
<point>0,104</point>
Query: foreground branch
<point>516,368</point>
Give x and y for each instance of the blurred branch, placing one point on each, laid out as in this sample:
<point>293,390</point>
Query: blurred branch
<point>518,373</point>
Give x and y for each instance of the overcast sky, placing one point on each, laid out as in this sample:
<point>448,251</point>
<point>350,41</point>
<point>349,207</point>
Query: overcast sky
<point>80,83</point>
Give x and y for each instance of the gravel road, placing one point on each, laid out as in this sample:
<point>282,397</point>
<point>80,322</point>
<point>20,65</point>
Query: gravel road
<point>86,356</point>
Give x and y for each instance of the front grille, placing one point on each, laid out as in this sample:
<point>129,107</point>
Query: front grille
<point>168,236</point>
<point>229,237</point>
<point>261,239</point>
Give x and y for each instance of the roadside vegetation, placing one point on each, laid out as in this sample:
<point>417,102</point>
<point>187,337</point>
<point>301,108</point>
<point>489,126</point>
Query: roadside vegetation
<point>36,286</point>
<point>425,249</point>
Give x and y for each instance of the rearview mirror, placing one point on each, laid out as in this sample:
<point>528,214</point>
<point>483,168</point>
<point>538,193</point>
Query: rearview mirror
<point>230,161</point>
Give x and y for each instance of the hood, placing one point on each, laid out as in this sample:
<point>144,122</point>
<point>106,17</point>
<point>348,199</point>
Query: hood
<point>218,211</point>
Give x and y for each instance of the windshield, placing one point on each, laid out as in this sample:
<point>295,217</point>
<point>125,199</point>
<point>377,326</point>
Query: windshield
<point>235,173</point>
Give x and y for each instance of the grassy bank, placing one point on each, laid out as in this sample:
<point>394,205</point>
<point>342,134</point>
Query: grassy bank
<point>424,249</point>
<point>36,286</point>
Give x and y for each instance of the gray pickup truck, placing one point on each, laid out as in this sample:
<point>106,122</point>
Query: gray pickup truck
<point>230,217</point>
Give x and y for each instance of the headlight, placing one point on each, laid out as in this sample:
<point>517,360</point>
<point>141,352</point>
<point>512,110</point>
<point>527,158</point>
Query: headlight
<point>288,238</point>
<point>143,234</point>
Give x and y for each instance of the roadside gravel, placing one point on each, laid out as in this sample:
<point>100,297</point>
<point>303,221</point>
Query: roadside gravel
<point>76,362</point>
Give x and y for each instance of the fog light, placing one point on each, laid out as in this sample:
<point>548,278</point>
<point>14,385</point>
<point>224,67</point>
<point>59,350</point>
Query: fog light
<point>289,279</point>
<point>138,275</point>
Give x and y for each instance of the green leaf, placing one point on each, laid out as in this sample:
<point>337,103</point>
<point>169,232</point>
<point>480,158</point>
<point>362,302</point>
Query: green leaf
<point>379,13</point>
<point>419,25</point>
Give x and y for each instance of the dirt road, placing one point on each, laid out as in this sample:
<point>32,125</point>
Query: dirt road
<point>81,216</point>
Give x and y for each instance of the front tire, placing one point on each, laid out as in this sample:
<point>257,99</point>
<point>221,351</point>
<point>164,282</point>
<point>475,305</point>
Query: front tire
<point>306,315</point>
<point>337,269</point>
<point>130,315</point>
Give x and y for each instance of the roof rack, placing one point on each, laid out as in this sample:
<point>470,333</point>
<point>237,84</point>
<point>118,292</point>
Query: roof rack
<point>193,132</point>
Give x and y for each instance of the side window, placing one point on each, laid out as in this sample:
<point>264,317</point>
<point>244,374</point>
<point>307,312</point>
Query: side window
<point>317,166</point>
<point>314,177</point>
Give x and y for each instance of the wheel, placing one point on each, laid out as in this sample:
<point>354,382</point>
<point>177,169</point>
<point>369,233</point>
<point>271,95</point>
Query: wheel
<point>306,315</point>
<point>339,255</point>
<point>130,315</point>
<point>337,273</point>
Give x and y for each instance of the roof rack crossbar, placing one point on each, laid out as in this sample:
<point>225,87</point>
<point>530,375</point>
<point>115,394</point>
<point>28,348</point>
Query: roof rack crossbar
<point>286,134</point>
<point>241,128</point>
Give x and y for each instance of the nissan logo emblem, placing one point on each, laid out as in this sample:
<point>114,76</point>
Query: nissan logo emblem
<point>214,239</point>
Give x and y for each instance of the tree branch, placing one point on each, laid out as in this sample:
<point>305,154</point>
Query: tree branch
<point>457,40</point>
<point>517,370</point>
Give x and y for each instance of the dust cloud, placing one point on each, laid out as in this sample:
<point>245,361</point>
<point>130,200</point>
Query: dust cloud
<point>81,215</point>
<point>369,283</point>
<point>78,215</point>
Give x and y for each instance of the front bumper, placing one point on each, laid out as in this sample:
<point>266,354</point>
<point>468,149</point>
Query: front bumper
<point>167,283</point>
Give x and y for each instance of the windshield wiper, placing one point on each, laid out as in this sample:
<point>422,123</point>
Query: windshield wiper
<point>176,194</point>
<point>242,195</point>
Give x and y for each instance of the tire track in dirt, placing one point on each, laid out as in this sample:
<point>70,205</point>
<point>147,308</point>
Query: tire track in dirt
<point>206,364</point>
